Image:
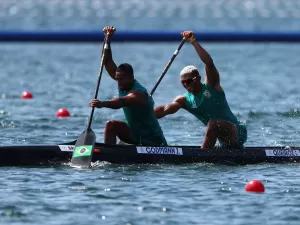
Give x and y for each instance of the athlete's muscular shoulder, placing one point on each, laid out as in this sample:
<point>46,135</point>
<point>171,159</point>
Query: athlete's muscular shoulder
<point>181,100</point>
<point>140,94</point>
<point>136,97</point>
<point>217,87</point>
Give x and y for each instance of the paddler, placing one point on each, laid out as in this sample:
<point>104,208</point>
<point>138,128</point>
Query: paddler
<point>207,102</point>
<point>141,126</point>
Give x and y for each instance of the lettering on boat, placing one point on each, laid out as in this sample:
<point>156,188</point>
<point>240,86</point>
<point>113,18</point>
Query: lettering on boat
<point>282,152</point>
<point>67,148</point>
<point>159,150</point>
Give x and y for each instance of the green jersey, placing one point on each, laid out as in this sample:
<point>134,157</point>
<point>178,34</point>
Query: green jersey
<point>210,104</point>
<point>142,120</point>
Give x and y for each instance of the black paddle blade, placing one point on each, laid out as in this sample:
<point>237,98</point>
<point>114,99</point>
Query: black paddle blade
<point>84,147</point>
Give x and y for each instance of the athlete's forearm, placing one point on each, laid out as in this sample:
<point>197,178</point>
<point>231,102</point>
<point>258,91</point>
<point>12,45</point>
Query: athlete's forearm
<point>108,56</point>
<point>159,112</point>
<point>203,54</point>
<point>115,103</point>
<point>109,63</point>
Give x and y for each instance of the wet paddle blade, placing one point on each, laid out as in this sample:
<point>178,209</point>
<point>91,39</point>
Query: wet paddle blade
<point>83,151</point>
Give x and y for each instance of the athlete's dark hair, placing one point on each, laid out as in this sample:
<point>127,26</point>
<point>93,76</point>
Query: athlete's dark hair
<point>125,68</point>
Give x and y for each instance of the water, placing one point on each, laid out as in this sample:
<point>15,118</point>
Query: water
<point>260,81</point>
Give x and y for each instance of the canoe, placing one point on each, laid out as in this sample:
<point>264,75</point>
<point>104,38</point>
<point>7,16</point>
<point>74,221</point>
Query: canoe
<point>20,155</point>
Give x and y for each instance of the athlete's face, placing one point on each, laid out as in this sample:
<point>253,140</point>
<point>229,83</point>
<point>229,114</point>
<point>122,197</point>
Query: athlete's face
<point>124,80</point>
<point>188,81</point>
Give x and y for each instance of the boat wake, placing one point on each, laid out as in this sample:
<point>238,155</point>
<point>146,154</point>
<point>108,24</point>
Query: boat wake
<point>98,164</point>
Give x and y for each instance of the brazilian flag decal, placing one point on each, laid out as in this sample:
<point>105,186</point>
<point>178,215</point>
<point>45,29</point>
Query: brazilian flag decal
<point>84,150</point>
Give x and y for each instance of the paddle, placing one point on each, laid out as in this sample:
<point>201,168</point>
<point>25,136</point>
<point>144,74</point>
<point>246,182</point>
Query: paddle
<point>84,146</point>
<point>167,67</point>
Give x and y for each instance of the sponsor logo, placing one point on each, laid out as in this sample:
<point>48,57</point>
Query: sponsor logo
<point>159,150</point>
<point>67,148</point>
<point>207,94</point>
<point>282,153</point>
<point>194,105</point>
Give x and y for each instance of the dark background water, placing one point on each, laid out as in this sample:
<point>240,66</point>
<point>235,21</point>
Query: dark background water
<point>260,81</point>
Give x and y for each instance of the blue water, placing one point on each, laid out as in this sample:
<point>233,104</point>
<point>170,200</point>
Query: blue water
<point>260,81</point>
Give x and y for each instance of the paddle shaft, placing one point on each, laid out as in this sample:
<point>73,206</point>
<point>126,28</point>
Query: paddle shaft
<point>167,67</point>
<point>98,81</point>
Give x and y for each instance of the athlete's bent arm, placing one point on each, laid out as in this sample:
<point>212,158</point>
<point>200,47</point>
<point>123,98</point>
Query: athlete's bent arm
<point>136,98</point>
<point>212,74</point>
<point>162,111</point>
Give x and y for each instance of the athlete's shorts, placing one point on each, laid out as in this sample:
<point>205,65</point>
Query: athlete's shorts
<point>149,140</point>
<point>241,135</point>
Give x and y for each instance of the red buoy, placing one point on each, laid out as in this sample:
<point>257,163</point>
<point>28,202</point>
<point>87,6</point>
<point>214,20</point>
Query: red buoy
<point>26,95</point>
<point>62,113</point>
<point>255,186</point>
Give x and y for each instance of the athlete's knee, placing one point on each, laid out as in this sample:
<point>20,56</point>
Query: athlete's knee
<point>212,126</point>
<point>110,125</point>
